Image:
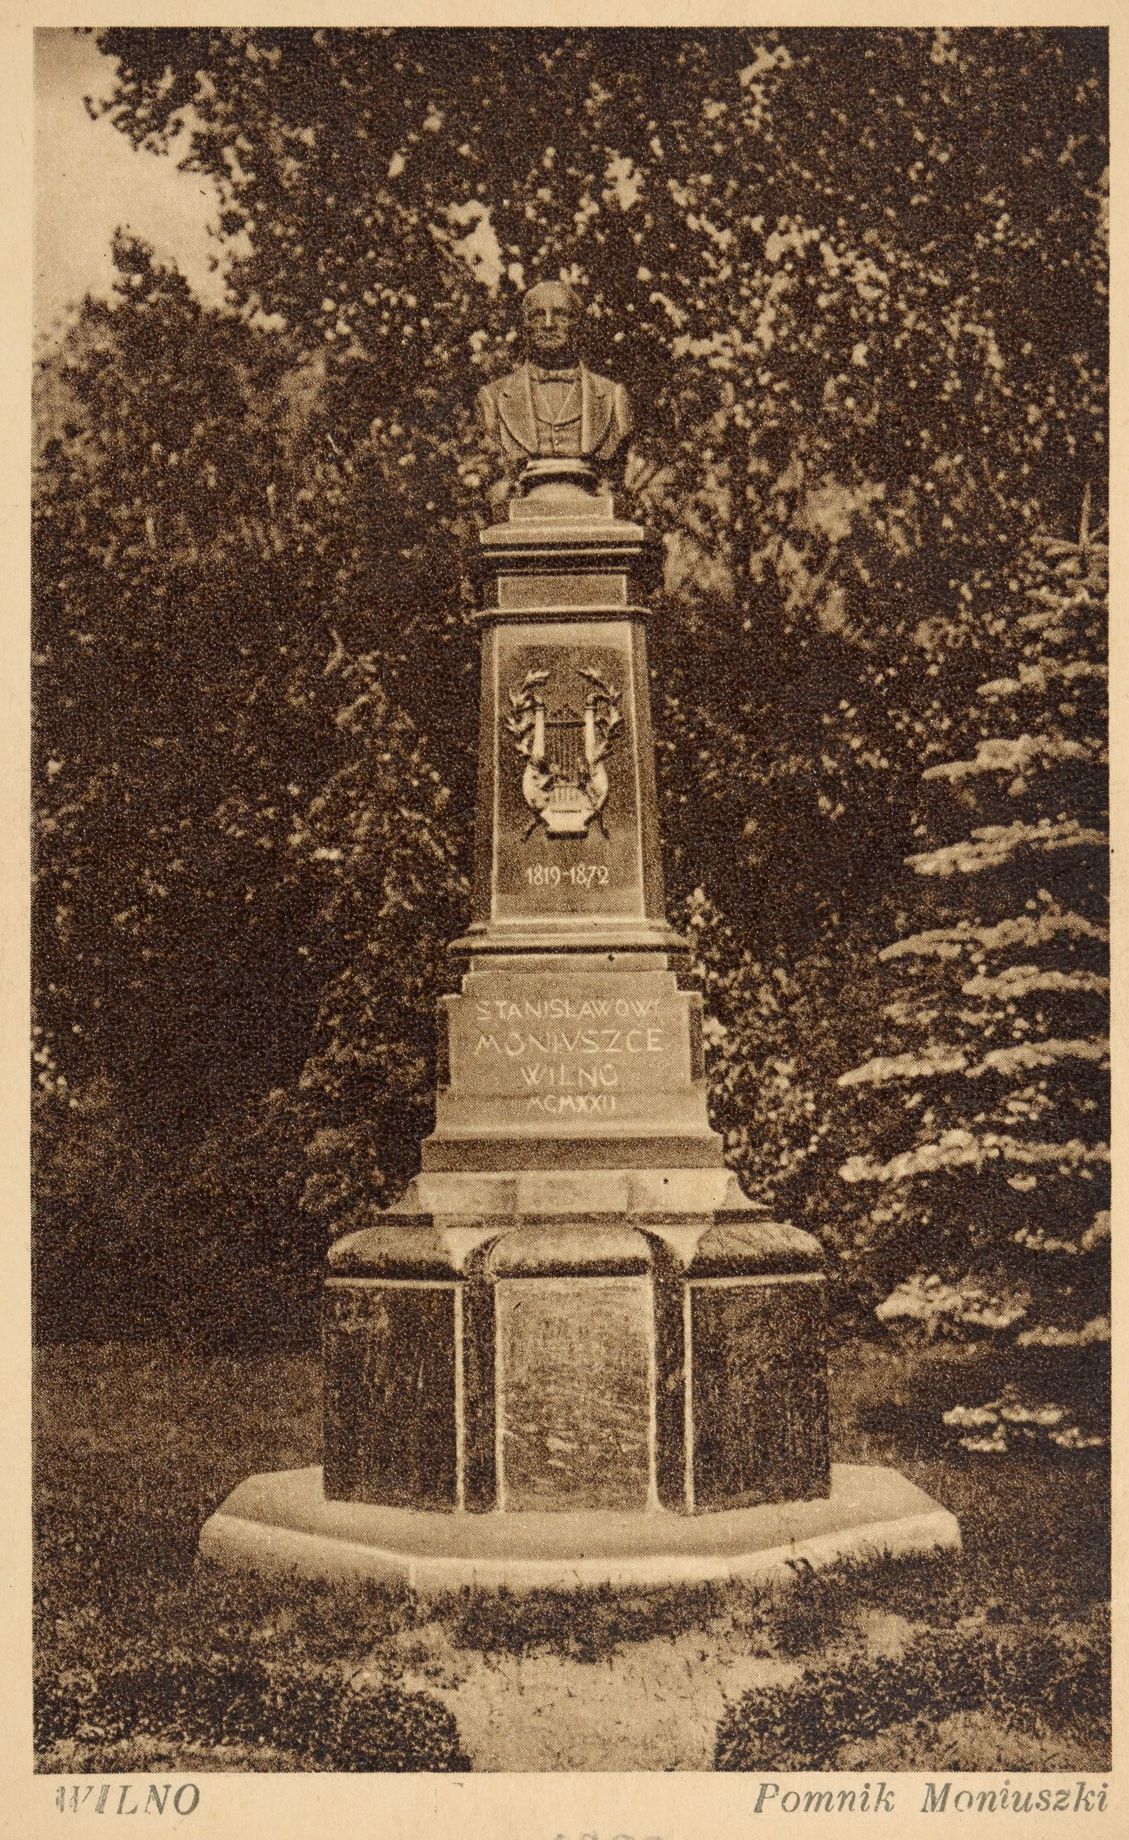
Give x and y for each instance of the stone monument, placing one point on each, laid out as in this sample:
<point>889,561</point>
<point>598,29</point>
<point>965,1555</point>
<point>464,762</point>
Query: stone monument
<point>574,1351</point>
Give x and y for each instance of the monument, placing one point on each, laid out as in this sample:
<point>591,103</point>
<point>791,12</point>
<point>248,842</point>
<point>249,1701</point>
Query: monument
<point>573,1351</point>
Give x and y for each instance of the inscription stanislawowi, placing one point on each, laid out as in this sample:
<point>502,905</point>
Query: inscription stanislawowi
<point>564,1009</point>
<point>565,1048</point>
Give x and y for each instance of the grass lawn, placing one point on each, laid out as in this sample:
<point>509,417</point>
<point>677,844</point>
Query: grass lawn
<point>996,1658</point>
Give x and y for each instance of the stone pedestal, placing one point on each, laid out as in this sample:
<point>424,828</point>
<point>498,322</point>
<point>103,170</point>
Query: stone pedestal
<point>573,1313</point>
<point>611,1339</point>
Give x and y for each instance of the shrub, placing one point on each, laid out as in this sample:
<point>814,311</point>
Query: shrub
<point>315,1712</point>
<point>1050,1675</point>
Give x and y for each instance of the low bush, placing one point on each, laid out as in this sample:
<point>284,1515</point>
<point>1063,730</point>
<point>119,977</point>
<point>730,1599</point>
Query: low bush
<point>1053,1676</point>
<point>809,1614</point>
<point>324,1719</point>
<point>586,1625</point>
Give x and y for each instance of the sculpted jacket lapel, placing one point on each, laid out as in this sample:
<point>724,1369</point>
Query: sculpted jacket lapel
<point>596,400</point>
<point>515,407</point>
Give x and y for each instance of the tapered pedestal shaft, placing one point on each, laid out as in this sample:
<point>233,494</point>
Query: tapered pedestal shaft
<point>573,1306</point>
<point>570,1044</point>
<point>567,853</point>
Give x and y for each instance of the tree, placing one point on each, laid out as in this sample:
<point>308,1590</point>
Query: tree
<point>986,1110</point>
<point>229,798</point>
<point>867,368</point>
<point>866,364</point>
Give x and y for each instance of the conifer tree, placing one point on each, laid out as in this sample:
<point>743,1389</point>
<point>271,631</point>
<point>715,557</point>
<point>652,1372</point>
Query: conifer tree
<point>985,1105</point>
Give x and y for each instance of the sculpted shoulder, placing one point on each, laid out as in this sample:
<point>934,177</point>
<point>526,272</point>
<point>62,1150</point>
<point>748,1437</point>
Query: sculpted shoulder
<point>606,390</point>
<point>489,393</point>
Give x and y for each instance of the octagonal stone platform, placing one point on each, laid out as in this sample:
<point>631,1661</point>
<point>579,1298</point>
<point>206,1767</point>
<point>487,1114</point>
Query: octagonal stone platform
<point>283,1523</point>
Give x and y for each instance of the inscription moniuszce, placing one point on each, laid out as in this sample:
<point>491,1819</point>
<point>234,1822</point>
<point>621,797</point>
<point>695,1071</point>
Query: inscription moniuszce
<point>565,1071</point>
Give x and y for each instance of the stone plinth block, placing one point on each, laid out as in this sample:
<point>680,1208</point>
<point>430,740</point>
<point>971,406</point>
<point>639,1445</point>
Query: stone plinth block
<point>565,534</point>
<point>609,1353</point>
<point>575,1378</point>
<point>391,1374</point>
<point>284,1523</point>
<point>571,1060</point>
<point>757,1389</point>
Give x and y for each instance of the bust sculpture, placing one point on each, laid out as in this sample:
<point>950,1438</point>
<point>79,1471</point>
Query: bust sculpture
<point>552,406</point>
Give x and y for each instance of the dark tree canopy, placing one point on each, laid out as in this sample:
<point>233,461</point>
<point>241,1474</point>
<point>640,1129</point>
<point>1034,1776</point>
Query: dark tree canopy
<point>856,281</point>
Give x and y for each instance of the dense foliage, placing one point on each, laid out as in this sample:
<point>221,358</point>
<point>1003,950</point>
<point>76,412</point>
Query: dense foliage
<point>856,281</point>
<point>805,1725</point>
<point>312,1715</point>
<point>987,1107</point>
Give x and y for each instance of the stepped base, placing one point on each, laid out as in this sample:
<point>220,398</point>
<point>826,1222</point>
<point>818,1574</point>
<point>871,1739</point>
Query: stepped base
<point>283,1523</point>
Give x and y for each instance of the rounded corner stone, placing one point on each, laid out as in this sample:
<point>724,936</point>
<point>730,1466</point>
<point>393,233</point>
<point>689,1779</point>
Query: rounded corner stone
<point>387,1250</point>
<point>755,1248</point>
<point>590,1249</point>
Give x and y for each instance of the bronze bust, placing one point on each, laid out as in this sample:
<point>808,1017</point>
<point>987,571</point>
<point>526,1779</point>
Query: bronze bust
<point>552,406</point>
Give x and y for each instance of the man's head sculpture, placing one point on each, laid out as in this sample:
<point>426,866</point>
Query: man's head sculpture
<point>552,407</point>
<point>550,322</point>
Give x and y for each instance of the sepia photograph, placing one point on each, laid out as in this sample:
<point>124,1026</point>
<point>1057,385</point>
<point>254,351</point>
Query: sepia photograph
<point>570,910</point>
